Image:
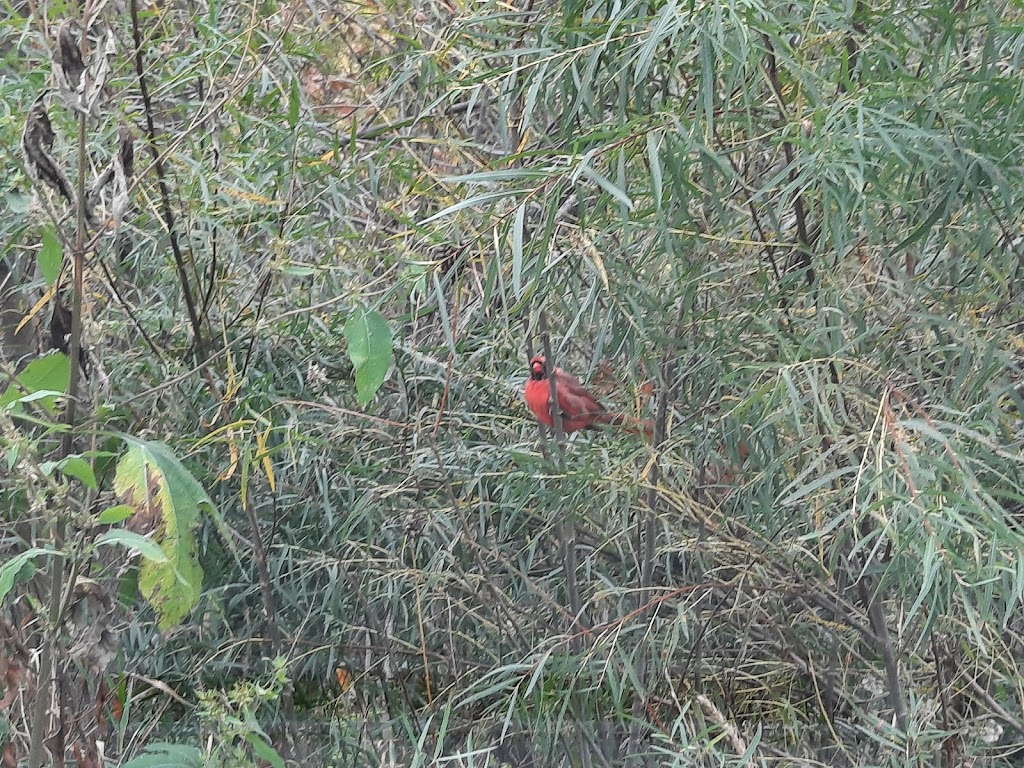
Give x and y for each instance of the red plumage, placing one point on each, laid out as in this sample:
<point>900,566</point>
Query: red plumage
<point>579,408</point>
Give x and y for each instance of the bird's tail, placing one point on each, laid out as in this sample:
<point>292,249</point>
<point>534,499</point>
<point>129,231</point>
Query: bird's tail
<point>629,423</point>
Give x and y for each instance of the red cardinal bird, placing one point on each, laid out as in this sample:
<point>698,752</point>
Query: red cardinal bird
<point>580,409</point>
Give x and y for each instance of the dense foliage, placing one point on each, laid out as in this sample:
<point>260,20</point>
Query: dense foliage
<point>299,512</point>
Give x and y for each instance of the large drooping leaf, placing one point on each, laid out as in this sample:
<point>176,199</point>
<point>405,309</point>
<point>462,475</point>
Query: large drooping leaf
<point>371,348</point>
<point>157,486</point>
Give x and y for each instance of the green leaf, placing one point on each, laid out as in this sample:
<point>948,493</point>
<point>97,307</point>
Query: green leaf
<point>264,751</point>
<point>167,756</point>
<point>115,514</point>
<point>442,313</point>
<point>151,480</point>
<point>925,227</point>
<point>9,571</point>
<point>470,202</point>
<point>294,104</point>
<point>653,142</point>
<point>49,373</point>
<point>606,185</point>
<point>73,466</point>
<point>295,270</point>
<point>42,394</point>
<point>12,456</point>
<point>51,256</point>
<point>518,227</point>
<point>148,548</point>
<point>18,202</point>
<point>371,350</point>
<point>491,177</point>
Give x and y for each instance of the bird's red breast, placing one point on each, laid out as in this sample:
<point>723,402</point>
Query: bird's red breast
<point>579,408</point>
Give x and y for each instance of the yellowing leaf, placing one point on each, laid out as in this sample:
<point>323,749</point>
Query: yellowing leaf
<point>251,197</point>
<point>37,306</point>
<point>268,467</point>
<point>152,481</point>
<point>233,455</point>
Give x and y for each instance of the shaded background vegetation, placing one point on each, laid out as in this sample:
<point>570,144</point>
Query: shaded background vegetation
<point>787,233</point>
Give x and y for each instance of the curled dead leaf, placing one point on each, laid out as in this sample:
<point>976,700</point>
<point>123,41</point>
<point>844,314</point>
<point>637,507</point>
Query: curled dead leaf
<point>36,144</point>
<point>68,57</point>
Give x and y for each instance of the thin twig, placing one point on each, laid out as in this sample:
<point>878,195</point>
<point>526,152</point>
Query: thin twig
<point>566,527</point>
<point>47,661</point>
<point>165,192</point>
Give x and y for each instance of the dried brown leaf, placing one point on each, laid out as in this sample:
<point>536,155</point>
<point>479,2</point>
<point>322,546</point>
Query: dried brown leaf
<point>36,142</point>
<point>69,58</point>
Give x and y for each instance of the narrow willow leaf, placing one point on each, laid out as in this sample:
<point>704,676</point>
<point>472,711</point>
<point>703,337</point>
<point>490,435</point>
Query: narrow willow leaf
<point>925,227</point>
<point>492,177</point>
<point>607,186</point>
<point>371,350</point>
<point>653,144</point>
<point>538,82</point>
<point>294,104</point>
<point>707,85</point>
<point>518,225</point>
<point>664,26</point>
<point>470,202</point>
<point>151,480</point>
<point>442,312</point>
<point>51,256</point>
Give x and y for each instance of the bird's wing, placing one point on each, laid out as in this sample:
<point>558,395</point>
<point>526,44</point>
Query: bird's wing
<point>573,398</point>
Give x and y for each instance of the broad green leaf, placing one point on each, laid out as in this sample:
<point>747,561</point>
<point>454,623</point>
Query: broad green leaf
<point>79,468</point>
<point>48,373</point>
<point>115,514</point>
<point>167,756</point>
<point>73,466</point>
<point>51,255</point>
<point>371,350</point>
<point>154,483</point>
<point>9,571</point>
<point>148,548</point>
